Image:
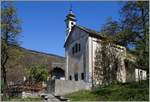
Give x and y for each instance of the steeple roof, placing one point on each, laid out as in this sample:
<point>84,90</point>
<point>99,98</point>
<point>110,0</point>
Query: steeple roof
<point>71,15</point>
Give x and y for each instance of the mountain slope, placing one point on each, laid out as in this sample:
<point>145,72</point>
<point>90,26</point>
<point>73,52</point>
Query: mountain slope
<point>18,65</point>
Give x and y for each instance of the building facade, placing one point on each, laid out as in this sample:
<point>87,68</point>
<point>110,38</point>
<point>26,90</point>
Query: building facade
<point>80,45</point>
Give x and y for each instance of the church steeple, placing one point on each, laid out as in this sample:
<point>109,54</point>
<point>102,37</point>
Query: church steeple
<point>70,21</point>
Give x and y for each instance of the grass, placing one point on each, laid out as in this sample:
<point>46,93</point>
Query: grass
<point>115,92</point>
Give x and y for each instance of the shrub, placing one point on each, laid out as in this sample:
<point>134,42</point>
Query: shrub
<point>38,73</point>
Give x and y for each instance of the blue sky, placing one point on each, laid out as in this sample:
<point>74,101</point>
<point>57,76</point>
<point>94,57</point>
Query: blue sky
<point>43,26</point>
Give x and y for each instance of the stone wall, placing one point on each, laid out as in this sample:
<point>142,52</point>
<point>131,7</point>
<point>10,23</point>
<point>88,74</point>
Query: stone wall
<point>51,86</point>
<point>62,87</point>
<point>30,94</point>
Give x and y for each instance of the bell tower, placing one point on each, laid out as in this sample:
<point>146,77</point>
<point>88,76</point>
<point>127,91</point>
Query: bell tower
<point>70,21</point>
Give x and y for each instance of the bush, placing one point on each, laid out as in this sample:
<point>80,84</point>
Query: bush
<point>38,73</point>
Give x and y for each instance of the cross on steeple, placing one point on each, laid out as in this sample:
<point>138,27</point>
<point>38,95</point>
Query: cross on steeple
<point>70,11</point>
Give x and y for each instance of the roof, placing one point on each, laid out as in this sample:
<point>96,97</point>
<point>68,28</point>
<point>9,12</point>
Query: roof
<point>130,57</point>
<point>91,32</point>
<point>88,30</point>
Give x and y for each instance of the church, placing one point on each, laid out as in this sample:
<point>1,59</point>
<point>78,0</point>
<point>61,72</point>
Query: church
<point>80,47</point>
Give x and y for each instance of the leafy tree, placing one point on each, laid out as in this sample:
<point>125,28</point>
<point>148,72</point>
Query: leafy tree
<point>135,21</point>
<point>132,31</point>
<point>10,29</point>
<point>37,73</point>
<point>110,28</point>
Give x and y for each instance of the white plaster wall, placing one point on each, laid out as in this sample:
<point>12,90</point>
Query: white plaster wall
<point>139,76</point>
<point>89,70</point>
<point>87,60</point>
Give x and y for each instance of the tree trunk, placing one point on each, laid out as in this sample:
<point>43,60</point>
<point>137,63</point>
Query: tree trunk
<point>5,83</point>
<point>4,77</point>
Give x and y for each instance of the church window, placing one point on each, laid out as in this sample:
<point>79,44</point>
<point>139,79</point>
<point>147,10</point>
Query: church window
<point>76,48</point>
<point>76,77</point>
<point>82,76</point>
<point>72,50</point>
<point>70,77</point>
<point>79,47</point>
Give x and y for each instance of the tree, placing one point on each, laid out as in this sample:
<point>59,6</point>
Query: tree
<point>110,28</point>
<point>37,73</point>
<point>135,21</point>
<point>132,31</point>
<point>10,29</point>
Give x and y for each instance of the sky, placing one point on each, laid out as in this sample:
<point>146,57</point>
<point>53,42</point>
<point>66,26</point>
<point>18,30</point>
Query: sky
<point>43,26</point>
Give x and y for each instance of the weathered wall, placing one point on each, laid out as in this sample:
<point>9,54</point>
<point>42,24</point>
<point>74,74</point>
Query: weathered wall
<point>76,63</point>
<point>62,87</point>
<point>118,51</point>
<point>95,43</point>
<point>51,86</point>
<point>136,74</point>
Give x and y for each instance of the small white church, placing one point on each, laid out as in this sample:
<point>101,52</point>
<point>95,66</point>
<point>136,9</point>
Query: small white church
<point>80,47</point>
<point>80,68</point>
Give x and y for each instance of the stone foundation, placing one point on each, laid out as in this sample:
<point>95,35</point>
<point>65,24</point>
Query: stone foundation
<point>62,87</point>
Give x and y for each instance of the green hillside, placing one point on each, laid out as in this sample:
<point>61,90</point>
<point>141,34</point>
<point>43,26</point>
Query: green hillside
<point>116,92</point>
